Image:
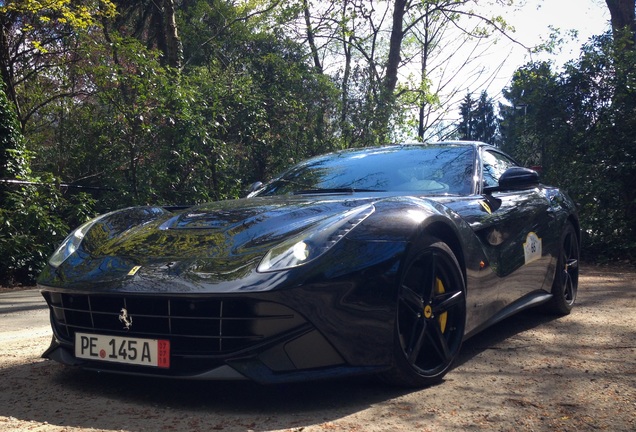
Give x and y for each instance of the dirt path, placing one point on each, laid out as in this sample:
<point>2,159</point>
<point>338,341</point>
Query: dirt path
<point>531,372</point>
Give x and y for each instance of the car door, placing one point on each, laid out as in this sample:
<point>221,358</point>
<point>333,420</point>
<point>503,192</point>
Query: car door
<point>513,230</point>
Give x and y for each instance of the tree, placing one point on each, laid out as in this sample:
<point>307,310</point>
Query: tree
<point>34,216</point>
<point>37,42</point>
<point>153,23</point>
<point>406,18</point>
<point>478,121</point>
<point>243,105</point>
<point>623,16</point>
<point>367,45</point>
<point>580,125</point>
<point>486,127</point>
<point>603,178</point>
<point>14,158</point>
<point>467,123</point>
<point>533,119</point>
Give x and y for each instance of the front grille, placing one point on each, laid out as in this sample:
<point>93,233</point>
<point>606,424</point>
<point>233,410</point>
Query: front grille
<point>195,326</point>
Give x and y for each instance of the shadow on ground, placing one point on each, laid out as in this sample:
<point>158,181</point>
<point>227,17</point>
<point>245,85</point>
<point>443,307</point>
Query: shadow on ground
<point>139,403</point>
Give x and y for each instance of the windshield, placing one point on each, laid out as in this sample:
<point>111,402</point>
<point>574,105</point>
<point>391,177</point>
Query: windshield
<point>434,169</point>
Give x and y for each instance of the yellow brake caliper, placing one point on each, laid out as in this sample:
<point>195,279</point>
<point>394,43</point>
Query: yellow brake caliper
<point>439,289</point>
<point>428,310</point>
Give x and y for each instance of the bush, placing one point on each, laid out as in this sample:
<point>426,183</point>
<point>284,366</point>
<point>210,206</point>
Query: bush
<point>34,219</point>
<point>34,216</point>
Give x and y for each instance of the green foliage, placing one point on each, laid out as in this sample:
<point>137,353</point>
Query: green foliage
<point>33,221</point>
<point>602,85</point>
<point>79,15</point>
<point>14,158</point>
<point>580,125</point>
<point>34,216</point>
<point>532,119</point>
<point>155,135</point>
<point>478,121</point>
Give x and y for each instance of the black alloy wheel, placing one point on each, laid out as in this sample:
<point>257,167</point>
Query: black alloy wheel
<point>566,277</point>
<point>431,315</point>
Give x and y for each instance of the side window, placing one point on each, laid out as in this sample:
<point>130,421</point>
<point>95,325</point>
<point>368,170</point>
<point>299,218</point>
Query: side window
<point>494,166</point>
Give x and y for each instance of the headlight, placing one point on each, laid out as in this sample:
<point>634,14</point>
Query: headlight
<point>313,242</point>
<point>72,242</point>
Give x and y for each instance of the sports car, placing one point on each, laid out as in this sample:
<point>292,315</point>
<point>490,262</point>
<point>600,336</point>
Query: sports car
<point>366,261</point>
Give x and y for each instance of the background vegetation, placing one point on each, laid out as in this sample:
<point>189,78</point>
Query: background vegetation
<point>112,103</point>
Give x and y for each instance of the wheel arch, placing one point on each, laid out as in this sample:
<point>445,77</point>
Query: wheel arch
<point>430,219</point>
<point>448,235</point>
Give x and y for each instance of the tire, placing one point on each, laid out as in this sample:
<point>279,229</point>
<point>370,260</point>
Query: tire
<point>566,277</point>
<point>430,316</point>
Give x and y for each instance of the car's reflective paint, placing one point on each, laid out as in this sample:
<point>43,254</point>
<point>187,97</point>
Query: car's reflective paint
<point>346,299</point>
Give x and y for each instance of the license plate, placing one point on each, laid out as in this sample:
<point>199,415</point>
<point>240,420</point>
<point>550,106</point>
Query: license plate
<point>117,349</point>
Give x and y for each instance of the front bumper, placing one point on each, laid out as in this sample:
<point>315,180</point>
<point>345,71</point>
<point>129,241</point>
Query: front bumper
<point>326,319</point>
<point>212,337</point>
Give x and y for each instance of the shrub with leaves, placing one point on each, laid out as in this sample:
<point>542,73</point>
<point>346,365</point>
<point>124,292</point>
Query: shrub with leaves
<point>33,221</point>
<point>580,125</point>
<point>34,216</point>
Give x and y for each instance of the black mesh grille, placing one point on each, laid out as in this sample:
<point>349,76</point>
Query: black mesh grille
<point>195,326</point>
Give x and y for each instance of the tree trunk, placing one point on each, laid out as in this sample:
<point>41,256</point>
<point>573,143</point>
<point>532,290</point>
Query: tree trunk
<point>387,93</point>
<point>174,48</point>
<point>346,47</point>
<point>424,69</point>
<point>623,15</point>
<point>395,46</point>
<point>310,37</point>
<point>5,70</point>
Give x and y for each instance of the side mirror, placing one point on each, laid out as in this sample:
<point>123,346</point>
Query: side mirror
<point>516,178</point>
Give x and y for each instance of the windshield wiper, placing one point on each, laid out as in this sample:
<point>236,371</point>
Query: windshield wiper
<point>332,191</point>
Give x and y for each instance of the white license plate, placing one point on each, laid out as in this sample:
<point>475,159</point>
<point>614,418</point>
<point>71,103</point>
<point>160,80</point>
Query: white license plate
<point>117,349</point>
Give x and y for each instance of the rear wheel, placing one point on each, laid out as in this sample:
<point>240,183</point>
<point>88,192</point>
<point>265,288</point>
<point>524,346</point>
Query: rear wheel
<point>566,278</point>
<point>431,315</point>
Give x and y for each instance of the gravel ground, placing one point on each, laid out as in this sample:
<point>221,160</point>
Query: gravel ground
<point>529,373</point>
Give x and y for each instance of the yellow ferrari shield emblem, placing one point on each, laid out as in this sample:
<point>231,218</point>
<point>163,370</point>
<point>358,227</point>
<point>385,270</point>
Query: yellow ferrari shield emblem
<point>134,270</point>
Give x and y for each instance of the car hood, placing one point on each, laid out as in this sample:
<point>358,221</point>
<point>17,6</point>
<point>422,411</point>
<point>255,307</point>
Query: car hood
<point>211,243</point>
<point>269,217</point>
<point>225,228</point>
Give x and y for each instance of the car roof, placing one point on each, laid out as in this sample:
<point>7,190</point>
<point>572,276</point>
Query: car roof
<point>396,146</point>
<point>458,143</point>
<point>475,145</point>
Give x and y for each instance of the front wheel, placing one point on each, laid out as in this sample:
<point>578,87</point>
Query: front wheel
<point>431,315</point>
<point>566,277</point>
